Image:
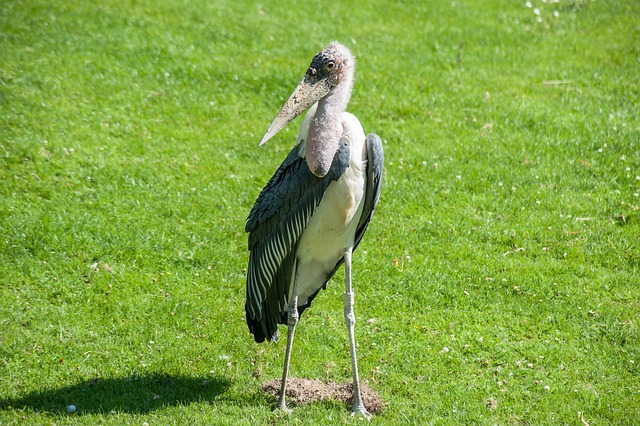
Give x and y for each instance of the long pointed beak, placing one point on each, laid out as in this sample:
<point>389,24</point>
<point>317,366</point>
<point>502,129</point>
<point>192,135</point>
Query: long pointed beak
<point>309,91</point>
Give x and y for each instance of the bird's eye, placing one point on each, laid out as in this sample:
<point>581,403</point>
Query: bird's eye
<point>330,65</point>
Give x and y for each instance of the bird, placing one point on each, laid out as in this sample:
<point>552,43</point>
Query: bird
<point>314,211</point>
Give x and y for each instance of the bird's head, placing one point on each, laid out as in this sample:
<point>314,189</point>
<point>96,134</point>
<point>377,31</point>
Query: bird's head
<point>328,69</point>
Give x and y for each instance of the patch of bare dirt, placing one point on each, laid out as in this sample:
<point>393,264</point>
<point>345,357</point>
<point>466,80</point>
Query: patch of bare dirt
<point>304,391</point>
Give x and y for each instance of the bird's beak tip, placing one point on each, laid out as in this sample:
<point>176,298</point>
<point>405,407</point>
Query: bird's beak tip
<point>269,134</point>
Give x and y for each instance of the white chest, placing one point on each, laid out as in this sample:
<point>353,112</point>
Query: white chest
<point>331,230</point>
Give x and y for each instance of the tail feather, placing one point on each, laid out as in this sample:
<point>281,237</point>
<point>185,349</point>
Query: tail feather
<point>260,329</point>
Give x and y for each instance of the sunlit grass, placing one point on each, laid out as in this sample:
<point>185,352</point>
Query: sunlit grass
<point>497,284</point>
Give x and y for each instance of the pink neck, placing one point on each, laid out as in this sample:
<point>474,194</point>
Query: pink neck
<point>325,129</point>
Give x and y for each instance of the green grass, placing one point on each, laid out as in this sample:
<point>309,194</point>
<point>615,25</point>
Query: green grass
<point>499,282</point>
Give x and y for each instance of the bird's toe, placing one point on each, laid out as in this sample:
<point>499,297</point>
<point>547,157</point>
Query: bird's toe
<point>282,408</point>
<point>359,410</point>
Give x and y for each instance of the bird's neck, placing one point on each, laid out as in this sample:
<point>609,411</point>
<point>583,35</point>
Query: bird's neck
<point>325,129</point>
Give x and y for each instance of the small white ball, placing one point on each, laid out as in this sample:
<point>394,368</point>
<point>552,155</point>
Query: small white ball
<point>71,409</point>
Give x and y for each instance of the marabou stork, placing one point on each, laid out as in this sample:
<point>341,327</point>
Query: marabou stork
<point>313,212</point>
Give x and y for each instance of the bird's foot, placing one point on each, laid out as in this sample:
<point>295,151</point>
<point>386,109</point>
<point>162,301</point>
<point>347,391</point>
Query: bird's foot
<point>282,407</point>
<point>359,410</point>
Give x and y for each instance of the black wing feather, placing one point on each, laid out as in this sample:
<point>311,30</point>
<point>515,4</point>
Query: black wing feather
<point>275,224</point>
<point>375,164</point>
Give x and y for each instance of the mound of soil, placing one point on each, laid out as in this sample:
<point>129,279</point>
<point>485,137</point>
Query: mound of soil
<point>304,391</point>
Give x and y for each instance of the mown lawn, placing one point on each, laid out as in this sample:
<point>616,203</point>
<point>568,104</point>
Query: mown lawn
<point>499,282</point>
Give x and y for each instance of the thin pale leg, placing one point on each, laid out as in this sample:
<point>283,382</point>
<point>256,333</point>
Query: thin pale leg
<point>350,320</point>
<point>292,321</point>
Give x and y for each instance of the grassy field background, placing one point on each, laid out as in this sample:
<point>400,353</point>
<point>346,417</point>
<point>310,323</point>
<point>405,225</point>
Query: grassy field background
<point>498,283</point>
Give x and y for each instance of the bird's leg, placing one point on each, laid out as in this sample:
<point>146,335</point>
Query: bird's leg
<point>350,319</point>
<point>292,321</point>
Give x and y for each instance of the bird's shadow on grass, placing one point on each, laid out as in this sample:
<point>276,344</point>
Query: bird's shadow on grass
<point>135,394</point>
